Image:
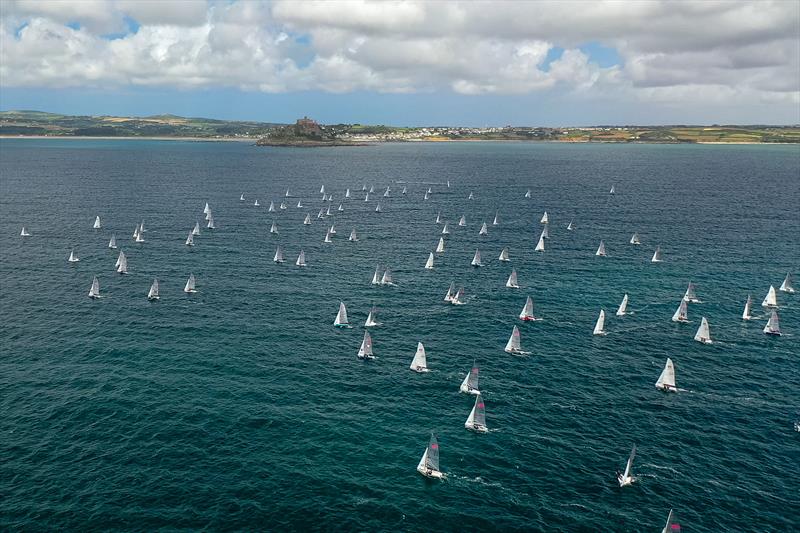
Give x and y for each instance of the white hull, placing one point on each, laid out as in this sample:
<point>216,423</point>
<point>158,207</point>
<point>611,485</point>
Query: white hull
<point>476,427</point>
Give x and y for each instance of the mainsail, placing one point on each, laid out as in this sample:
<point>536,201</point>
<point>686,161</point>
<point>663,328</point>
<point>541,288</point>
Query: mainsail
<point>600,324</point>
<point>96,222</point>
<point>666,381</point>
<point>429,262</point>
<point>420,362</point>
<point>365,352</point>
<point>601,250</point>
<point>278,255</point>
<point>476,260</point>
<point>680,313</point>
<point>470,383</point>
<point>512,280</point>
<point>703,335</point>
<point>94,292</point>
<point>190,284</point>
<point>771,299</point>
<point>747,305</point>
<point>773,326</point>
<point>623,306</point>
<point>477,417</point>
<point>341,317</point>
<point>153,292</point>
<point>504,254</point>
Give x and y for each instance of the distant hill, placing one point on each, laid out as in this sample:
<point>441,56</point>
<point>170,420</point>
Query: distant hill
<point>26,122</point>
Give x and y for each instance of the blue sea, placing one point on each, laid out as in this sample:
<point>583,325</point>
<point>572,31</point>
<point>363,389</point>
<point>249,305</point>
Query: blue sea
<point>241,407</point>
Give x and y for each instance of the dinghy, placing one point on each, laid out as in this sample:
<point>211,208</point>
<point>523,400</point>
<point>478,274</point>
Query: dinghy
<point>666,381</point>
<point>635,239</point>
<point>626,478</point>
<point>372,318</point>
<point>206,209</point>
<point>471,196</point>
<point>97,222</point>
<point>545,219</point>
<point>439,217</point>
<point>476,259</point>
<point>377,208</point>
<point>601,250</point>
<point>139,237</point>
<point>458,297</point>
<point>570,226</point>
<point>353,236</point>
<point>210,224</point>
<point>196,229</point>
<point>656,255</point>
<point>623,306</point>
<point>332,231</point>
<point>527,312</point>
<point>94,291</point>
<point>513,345</point>
<point>420,361</point>
<point>462,221</point>
<point>450,292</point>
<point>504,254</point>
<point>152,294</point>
<point>386,193</point>
<point>278,255</point>
<point>429,262</point>
<point>340,208</point>
<point>690,295</point>
<point>484,230</point>
<point>274,228</point>
<point>72,257</point>
<point>445,230</point>
<point>189,288</point>
<point>495,222</point>
<point>600,324</point>
<point>540,244</point>
<point>429,464</point>
<point>112,243</point>
<point>477,417</point>
<point>301,259</point>
<point>771,299</point>
<point>122,263</point>
<point>787,285</point>
<point>347,193</point>
<point>511,283</point>
<point>365,352</point>
<point>404,191</point>
<point>328,236</point>
<point>271,208</point>
<point>387,277</point>
<point>376,277</point>
<point>307,220</point>
<point>528,193</point>
<point>773,326</point>
<point>371,189</point>
<point>470,383</point>
<point>341,317</point>
<point>241,198</point>
<point>299,204</point>
<point>189,239</point>
<point>440,246</point>
<point>703,335</point>
<point>747,305</point>
<point>612,190</point>
<point>321,213</point>
<point>328,212</point>
<point>681,314</point>
<point>256,204</point>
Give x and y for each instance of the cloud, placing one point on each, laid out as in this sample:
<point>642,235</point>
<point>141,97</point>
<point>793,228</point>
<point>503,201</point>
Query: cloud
<point>724,51</point>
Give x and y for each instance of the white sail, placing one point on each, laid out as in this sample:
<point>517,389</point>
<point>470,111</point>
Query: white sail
<point>206,209</point>
<point>429,262</point>
<point>136,231</point>
<point>210,224</point>
<point>513,345</point>
<point>600,324</point>
<point>371,189</point>
<point>540,244</point>
<point>771,299</point>
<point>341,317</point>
<point>241,197</point>
<point>139,237</point>
<point>623,306</point>
<point>545,219</point>
<point>528,193</point>
<point>703,335</point>
<point>656,255</point>
<point>787,285</point>
<point>347,193</point>
<point>112,243</point>
<point>484,230</point>
<point>328,212</point>
<point>340,208</point>
<point>601,250</point>
<point>445,230</point>
<point>72,257</point>
<point>462,221</point>
<point>477,417</point>
<point>196,229</point>
<point>378,208</point>
<point>283,206</point>
<point>372,319</point>
<point>635,239</point>
<point>450,292</point>
<point>546,231</point>
<point>511,283</point>
<point>471,196</point>
<point>404,191</point>
<point>440,246</point>
<point>504,254</point>
<point>299,204</point>
<point>747,305</point>
<point>257,204</point>
<point>670,526</point>
<point>322,189</point>
<point>97,222</point>
<point>122,263</point>
<point>365,352</point>
<point>439,217</point>
<point>420,361</point>
<point>570,226</point>
<point>328,236</point>
<point>141,227</point>
<point>666,380</point>
<point>119,259</point>
<point>773,326</point>
<point>321,213</point>
<point>495,222</point>
<point>429,464</point>
<point>278,255</point>
<point>307,220</point>
<point>476,259</point>
<point>274,228</point>
<point>364,187</point>
<point>626,478</point>
<point>271,207</point>
<point>353,235</point>
<point>287,193</point>
<point>190,239</point>
<point>470,383</point>
<point>527,312</point>
<point>690,295</point>
<point>386,193</point>
<point>681,314</point>
<point>366,197</point>
<point>387,277</point>
<point>458,297</point>
<point>189,287</point>
<point>612,190</point>
<point>94,291</point>
<point>332,231</point>
<point>152,294</point>
<point>301,259</point>
<point>376,277</point>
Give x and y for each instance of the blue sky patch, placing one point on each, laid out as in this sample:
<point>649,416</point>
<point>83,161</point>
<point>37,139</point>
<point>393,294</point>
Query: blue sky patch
<point>605,56</point>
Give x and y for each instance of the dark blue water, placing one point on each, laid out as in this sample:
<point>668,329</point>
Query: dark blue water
<point>241,407</point>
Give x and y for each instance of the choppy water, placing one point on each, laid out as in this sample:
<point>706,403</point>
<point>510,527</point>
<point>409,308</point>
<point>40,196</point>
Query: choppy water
<point>241,407</point>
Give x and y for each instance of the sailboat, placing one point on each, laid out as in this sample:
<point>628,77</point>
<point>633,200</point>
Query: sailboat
<point>190,239</point>
<point>623,306</point>
<point>376,277</point>
<point>612,190</point>
<point>471,196</point>
<point>364,187</point>
<point>429,262</point>
<point>450,292</point>
<point>462,221</point>
<point>690,295</point>
<point>189,287</point>
<point>97,222</point>
<point>404,191</point>
<point>365,352</point>
<point>322,189</point>
<point>570,226</point>
<point>773,326</point>
<point>340,208</point>
<point>353,235</point>
<point>470,383</point>
<point>666,380</point>
<point>477,417</point>
<point>72,257</point>
<point>527,312</point>
<point>545,219</point>
<point>787,285</point>
<point>138,237</point>
<point>504,254</point>
<point>328,236</point>
<point>206,209</point>
<point>196,229</point>
<point>301,259</point>
<point>511,283</point>
<point>283,206</point>
<point>366,197</point>
<point>299,204</point>
<point>371,189</point>
<point>122,263</point>
<point>600,324</point>
<point>540,244</point>
<point>94,292</point>
<point>307,220</point>
<point>152,294</point>
<point>528,193</point>
<point>321,213</point>
<point>445,230</point>
<point>601,250</point>
<point>484,230</point>
<point>626,478</point>
<point>278,255</point>
<point>347,193</point>
<point>241,197</point>
<point>546,231</point>
<point>141,227</point>
<point>378,208</point>
<point>429,464</point>
<point>287,193</point>
<point>770,300</point>
<point>458,297</point>
<point>440,246</point>
<point>439,217</point>
<point>703,335</point>
<point>671,526</point>
<point>210,224</point>
<point>274,228</point>
<point>372,318</point>
<point>476,259</point>
<point>747,305</point>
<point>495,222</point>
<point>513,345</point>
<point>341,317</point>
<point>420,361</point>
<point>386,193</point>
<point>332,231</point>
<point>635,239</point>
<point>656,255</point>
<point>328,212</point>
<point>136,231</point>
<point>112,243</point>
<point>256,204</point>
<point>680,314</point>
<point>387,277</point>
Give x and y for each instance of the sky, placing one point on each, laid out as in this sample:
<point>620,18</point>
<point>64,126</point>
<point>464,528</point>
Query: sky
<point>407,63</point>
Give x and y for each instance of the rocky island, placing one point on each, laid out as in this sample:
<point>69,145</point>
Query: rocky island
<point>305,133</point>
